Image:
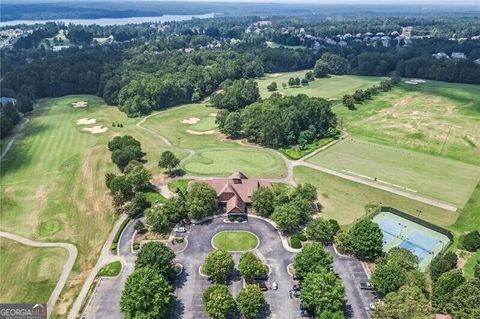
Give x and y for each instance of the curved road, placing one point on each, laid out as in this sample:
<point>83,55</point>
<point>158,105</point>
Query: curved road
<point>67,268</point>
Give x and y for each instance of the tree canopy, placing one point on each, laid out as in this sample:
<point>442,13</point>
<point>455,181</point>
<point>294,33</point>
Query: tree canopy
<point>408,302</point>
<point>250,302</point>
<point>218,265</point>
<point>201,200</point>
<point>366,240</point>
<point>146,295</point>
<point>218,301</point>
<point>311,257</point>
<point>250,266</point>
<point>158,257</point>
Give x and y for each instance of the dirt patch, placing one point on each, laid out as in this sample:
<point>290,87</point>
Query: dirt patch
<point>209,132</point>
<point>96,129</point>
<point>86,121</point>
<point>191,120</point>
<point>275,75</point>
<point>79,104</point>
<point>213,114</point>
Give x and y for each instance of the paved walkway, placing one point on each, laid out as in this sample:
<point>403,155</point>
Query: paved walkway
<point>106,257</point>
<point>291,164</point>
<point>67,268</point>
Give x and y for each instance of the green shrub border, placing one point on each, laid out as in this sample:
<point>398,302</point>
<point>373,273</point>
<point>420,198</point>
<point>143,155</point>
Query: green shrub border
<point>118,234</point>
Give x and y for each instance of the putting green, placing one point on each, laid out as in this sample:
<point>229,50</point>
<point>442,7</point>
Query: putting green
<point>223,162</point>
<point>205,124</point>
<point>235,241</point>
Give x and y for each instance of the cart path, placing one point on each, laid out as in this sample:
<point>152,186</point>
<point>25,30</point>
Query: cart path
<point>106,257</point>
<point>67,268</point>
<point>291,164</point>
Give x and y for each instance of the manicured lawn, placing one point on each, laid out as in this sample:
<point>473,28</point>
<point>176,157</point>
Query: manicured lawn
<point>205,124</point>
<point>437,177</point>
<point>468,269</point>
<point>346,201</point>
<point>28,274</point>
<point>434,117</point>
<point>215,155</point>
<point>111,270</point>
<point>53,181</point>
<point>469,218</point>
<point>178,184</point>
<point>332,88</point>
<point>297,153</point>
<point>223,162</point>
<point>235,241</point>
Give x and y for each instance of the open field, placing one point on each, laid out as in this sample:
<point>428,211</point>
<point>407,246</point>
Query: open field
<point>433,117</point>
<point>28,274</point>
<point>441,178</point>
<point>469,267</point>
<point>347,201</point>
<point>235,241</point>
<point>215,155</point>
<point>52,181</point>
<point>111,270</point>
<point>333,87</point>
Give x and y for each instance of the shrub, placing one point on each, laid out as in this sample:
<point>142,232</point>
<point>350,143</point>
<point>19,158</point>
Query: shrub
<point>295,242</point>
<point>471,241</point>
<point>302,237</point>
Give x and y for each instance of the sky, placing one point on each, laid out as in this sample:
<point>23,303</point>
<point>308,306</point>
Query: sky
<point>396,2</point>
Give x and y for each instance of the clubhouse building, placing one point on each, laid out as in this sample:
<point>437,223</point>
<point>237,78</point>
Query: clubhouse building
<point>235,193</point>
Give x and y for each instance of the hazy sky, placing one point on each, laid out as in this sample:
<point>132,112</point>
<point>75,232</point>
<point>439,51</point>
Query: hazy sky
<point>397,2</point>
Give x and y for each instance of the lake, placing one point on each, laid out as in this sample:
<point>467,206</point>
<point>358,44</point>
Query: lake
<point>113,21</point>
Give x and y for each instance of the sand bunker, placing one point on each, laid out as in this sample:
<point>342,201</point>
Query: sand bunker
<point>415,81</point>
<point>275,75</point>
<point>210,132</point>
<point>213,114</point>
<point>79,104</point>
<point>191,120</point>
<point>96,129</point>
<point>86,121</point>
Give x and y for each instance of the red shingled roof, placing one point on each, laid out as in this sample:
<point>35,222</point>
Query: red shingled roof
<point>237,190</point>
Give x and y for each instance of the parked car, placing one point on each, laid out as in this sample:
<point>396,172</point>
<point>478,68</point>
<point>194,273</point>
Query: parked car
<point>274,285</point>
<point>305,313</point>
<point>261,284</point>
<point>366,286</point>
<point>296,293</point>
<point>296,287</point>
<point>180,229</point>
<point>372,306</point>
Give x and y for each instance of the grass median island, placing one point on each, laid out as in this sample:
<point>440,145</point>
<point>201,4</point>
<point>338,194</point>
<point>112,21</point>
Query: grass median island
<point>235,241</point>
<point>28,274</point>
<point>111,270</point>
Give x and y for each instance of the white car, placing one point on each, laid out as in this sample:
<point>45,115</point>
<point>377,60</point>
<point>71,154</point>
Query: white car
<point>180,230</point>
<point>274,285</point>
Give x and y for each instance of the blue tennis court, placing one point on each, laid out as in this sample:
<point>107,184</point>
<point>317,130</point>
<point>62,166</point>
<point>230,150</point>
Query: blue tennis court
<point>423,242</point>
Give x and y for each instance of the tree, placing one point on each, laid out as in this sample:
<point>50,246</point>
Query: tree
<point>237,95</point>
<point>146,295</point>
<point>442,264</point>
<point>137,205</point>
<point>250,266</point>
<point>250,302</point>
<point>322,291</point>
<point>218,301</point>
<point>291,82</point>
<point>312,256</point>
<point>464,301</point>
<point>388,277</point>
<point>168,161</point>
<point>272,87</point>
<point>335,63</point>
<point>24,104</point>
<point>139,227</point>
<point>349,101</point>
<point>343,242</point>
<point>201,201</point>
<point>321,69</point>
<point>404,257</point>
<point>155,255</point>
<point>306,191</point>
<point>322,230</point>
<point>304,82</point>
<point>286,217</point>
<point>218,265</point>
<point>408,302</point>
<point>120,185</point>
<point>444,288</point>
<point>309,76</point>
<point>263,201</point>
<point>327,314</point>
<point>157,218</point>
<point>471,241</point>
<point>138,177</point>
<point>476,270</point>
<point>417,278</point>
<point>367,240</point>
<point>233,125</point>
